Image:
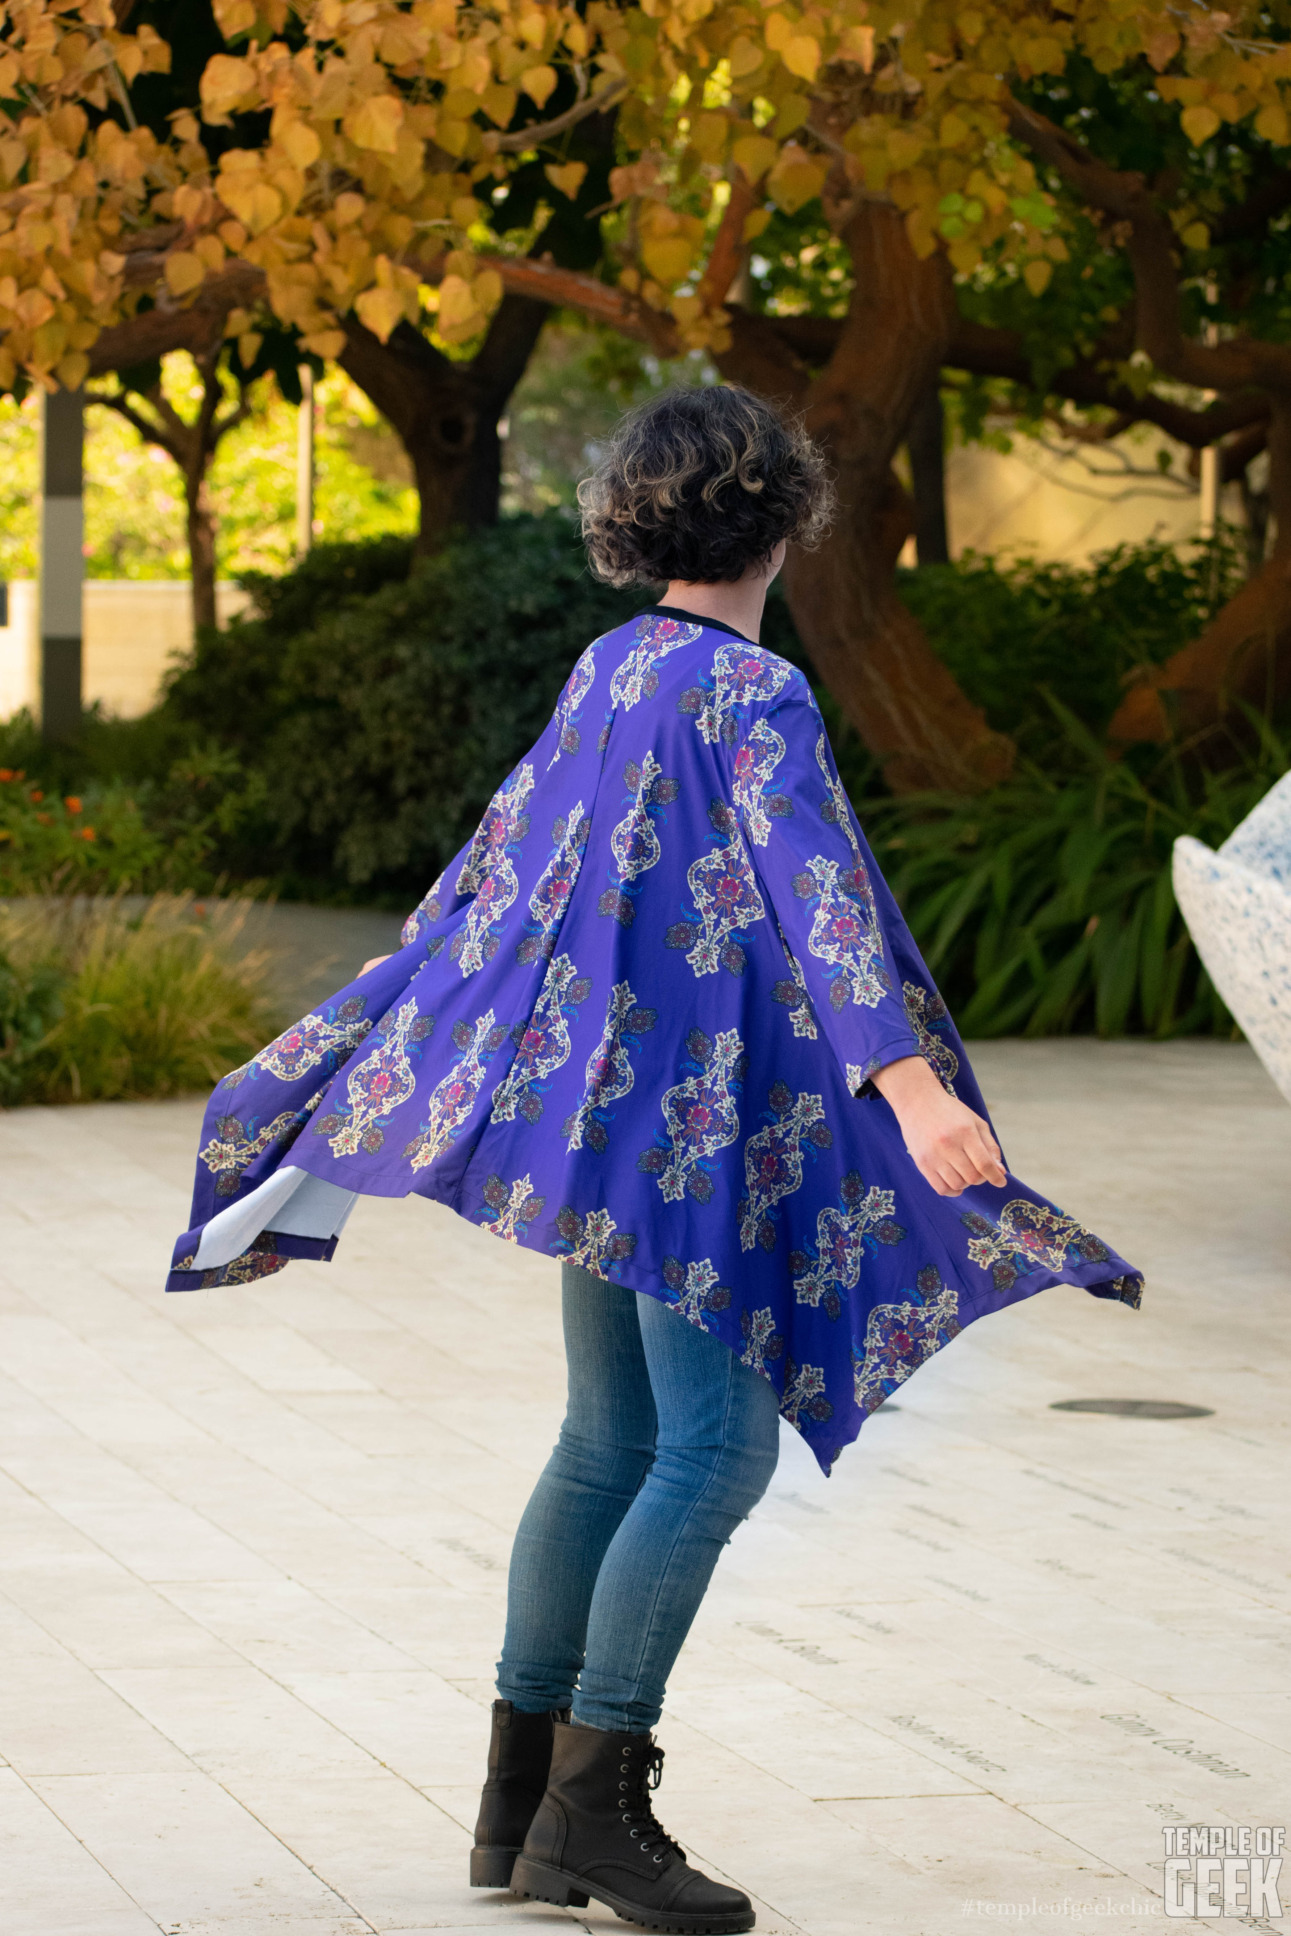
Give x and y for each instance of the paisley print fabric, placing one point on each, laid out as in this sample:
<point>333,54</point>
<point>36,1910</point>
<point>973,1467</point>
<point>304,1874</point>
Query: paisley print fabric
<point>634,1023</point>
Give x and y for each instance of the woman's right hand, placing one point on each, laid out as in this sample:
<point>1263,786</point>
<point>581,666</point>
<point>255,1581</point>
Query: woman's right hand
<point>374,963</point>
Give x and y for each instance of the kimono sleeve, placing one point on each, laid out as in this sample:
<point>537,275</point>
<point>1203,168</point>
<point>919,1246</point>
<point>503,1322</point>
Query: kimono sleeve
<point>828,897</point>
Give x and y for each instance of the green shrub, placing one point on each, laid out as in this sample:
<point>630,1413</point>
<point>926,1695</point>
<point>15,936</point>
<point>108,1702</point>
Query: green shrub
<point>98,1002</point>
<point>380,727</point>
<point>1012,632</point>
<point>1045,906</point>
<point>116,837</point>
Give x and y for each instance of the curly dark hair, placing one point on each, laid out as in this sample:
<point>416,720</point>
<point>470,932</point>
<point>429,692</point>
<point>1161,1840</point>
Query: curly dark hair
<point>699,485</point>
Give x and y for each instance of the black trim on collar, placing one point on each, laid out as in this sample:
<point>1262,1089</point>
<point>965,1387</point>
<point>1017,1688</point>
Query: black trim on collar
<point>694,618</point>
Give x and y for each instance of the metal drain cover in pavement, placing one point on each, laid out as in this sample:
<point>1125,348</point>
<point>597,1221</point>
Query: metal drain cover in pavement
<point>1134,1407</point>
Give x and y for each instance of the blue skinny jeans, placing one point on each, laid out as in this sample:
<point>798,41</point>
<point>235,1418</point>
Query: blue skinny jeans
<point>668,1443</point>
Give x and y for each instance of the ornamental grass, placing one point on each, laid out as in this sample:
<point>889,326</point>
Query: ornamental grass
<point>104,999</point>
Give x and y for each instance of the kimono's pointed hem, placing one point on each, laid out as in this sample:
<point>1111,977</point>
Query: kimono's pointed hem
<point>273,1250</point>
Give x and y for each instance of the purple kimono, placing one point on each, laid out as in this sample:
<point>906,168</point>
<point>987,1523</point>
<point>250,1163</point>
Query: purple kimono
<point>633,1024</point>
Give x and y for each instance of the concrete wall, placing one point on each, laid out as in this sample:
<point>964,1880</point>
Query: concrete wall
<point>133,628</point>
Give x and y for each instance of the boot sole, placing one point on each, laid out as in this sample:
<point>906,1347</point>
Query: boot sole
<point>491,1868</point>
<point>541,1883</point>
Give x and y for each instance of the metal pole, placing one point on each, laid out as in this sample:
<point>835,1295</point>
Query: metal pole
<point>62,563</point>
<point>305,463</point>
<point>1208,508</point>
<point>1208,516</point>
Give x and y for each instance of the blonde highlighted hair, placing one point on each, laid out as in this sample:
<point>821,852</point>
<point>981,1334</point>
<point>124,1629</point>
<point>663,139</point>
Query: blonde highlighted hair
<point>699,485</point>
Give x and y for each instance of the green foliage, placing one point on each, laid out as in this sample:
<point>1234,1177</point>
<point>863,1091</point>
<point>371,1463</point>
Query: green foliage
<point>156,835</point>
<point>1012,632</point>
<point>1045,907</point>
<point>380,708</point>
<point>99,1002</point>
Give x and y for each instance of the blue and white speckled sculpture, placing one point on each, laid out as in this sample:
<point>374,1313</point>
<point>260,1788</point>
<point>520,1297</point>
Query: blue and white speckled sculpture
<point>1237,903</point>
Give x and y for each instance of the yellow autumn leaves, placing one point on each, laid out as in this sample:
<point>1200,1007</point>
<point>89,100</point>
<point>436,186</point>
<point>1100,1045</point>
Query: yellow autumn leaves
<point>371,192</point>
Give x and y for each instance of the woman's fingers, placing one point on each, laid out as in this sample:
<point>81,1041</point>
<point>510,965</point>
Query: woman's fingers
<point>961,1157</point>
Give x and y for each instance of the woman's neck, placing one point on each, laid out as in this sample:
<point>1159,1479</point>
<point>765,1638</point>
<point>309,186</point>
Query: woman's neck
<point>738,605</point>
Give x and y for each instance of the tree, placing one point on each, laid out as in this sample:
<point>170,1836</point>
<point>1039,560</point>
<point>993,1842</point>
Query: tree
<point>191,444</point>
<point>381,134</point>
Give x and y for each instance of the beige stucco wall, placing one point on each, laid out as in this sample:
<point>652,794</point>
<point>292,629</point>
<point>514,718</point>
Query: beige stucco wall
<point>1055,505</point>
<point>133,628</point>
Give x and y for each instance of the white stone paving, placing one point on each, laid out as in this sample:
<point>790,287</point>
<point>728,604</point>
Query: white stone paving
<point>254,1544</point>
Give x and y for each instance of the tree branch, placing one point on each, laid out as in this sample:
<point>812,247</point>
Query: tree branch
<point>726,257</point>
<point>523,138</point>
<point>151,433</point>
<point>984,351</point>
<point>1231,365</point>
<point>571,289</point>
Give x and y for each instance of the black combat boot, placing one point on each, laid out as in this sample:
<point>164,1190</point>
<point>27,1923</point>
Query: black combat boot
<point>595,1834</point>
<point>519,1757</point>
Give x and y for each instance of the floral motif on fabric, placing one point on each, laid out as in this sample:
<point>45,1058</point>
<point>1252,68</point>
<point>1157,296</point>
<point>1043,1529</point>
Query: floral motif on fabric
<point>724,890</point>
<point>594,1241</point>
<point>514,1205</point>
<point>381,1083</point>
<point>791,993</point>
<point>926,1013</point>
<point>1029,1237</point>
<point>637,677</point>
<point>609,1074</point>
<point>836,809</point>
<point>773,1160</point>
<point>545,1044</point>
<point>427,911</point>
<point>550,897</point>
<point>899,1337</point>
<point>701,1116</point>
<point>826,1270</point>
<point>845,932</point>
<point>742,675</point>
<point>453,1098</point>
<point>235,1144</point>
<point>755,765</point>
<point>333,1034</point>
<point>258,1261</point>
<point>804,1395</point>
<point>634,842</point>
<point>577,687</point>
<point>859,1073</point>
<point>763,1344</point>
<point>694,1291</point>
<point>488,872</point>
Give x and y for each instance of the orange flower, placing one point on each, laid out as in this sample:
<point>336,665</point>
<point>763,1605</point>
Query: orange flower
<point>45,819</point>
<point>72,804</point>
<point>86,833</point>
<point>7,773</point>
<point>36,794</point>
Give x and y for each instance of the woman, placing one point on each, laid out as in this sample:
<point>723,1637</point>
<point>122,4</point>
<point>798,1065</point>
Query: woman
<point>663,1019</point>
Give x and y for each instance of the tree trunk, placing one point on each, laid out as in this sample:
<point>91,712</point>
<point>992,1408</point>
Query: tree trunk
<point>201,548</point>
<point>1244,654</point>
<point>867,647</point>
<point>446,414</point>
<point>926,443</point>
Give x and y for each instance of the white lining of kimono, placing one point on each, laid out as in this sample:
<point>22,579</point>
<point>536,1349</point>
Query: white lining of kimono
<point>291,1202</point>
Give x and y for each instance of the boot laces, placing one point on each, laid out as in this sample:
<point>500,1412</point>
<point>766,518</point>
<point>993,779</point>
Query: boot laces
<point>638,1811</point>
